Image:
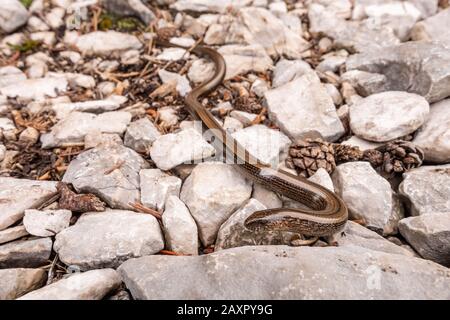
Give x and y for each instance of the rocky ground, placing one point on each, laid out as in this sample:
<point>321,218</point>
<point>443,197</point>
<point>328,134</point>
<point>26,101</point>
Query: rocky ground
<point>97,196</point>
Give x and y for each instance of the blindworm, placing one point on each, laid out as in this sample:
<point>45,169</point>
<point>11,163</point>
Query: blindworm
<point>325,215</point>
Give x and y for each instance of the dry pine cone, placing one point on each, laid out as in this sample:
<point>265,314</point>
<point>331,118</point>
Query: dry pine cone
<point>307,156</point>
<point>345,153</point>
<point>400,156</point>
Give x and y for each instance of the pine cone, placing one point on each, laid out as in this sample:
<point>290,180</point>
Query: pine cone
<point>373,156</point>
<point>345,153</point>
<point>400,156</point>
<point>307,156</point>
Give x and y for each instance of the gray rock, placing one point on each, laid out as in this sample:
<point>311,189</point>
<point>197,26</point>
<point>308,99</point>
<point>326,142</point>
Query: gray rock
<point>270,32</point>
<point>157,187</point>
<point>16,282</point>
<point>76,125</point>
<point>130,8</point>
<point>10,75</point>
<point>288,70</point>
<point>434,136</point>
<point>96,138</point>
<point>242,59</point>
<point>140,135</point>
<point>209,5</point>
<point>35,89</point>
<point>416,67</point>
<point>106,239</point>
<point>245,118</point>
<point>263,143</point>
<point>182,83</point>
<point>427,189</point>
<point>17,195</point>
<point>366,83</point>
<point>13,15</point>
<point>368,196</point>
<point>200,70</point>
<point>232,125</point>
<point>266,197</point>
<point>212,193</point>
<point>106,42</point>
<point>357,235</point>
<point>94,106</point>
<point>173,149</point>
<point>109,171</point>
<point>361,143</point>
<point>180,230</point>
<point>2,151</point>
<point>280,272</point>
<point>323,178</point>
<point>233,233</point>
<point>303,106</point>
<point>429,234</point>
<point>354,36</point>
<point>12,233</point>
<point>435,28</point>
<point>90,285</point>
<point>388,115</point>
<point>173,54</point>
<point>46,223</point>
<point>25,254</point>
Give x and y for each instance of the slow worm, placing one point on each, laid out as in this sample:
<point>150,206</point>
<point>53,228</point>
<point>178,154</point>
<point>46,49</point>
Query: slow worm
<point>325,215</point>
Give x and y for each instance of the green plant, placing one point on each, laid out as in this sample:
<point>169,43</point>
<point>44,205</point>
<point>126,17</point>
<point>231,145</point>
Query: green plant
<point>26,3</point>
<point>27,45</point>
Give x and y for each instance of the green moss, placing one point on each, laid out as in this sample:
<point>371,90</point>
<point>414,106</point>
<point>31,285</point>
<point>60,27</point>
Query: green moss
<point>128,24</point>
<point>26,3</point>
<point>109,21</point>
<point>27,45</point>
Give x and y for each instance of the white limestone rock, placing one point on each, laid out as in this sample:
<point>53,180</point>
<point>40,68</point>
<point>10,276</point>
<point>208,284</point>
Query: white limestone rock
<point>157,187</point>
<point>46,223</point>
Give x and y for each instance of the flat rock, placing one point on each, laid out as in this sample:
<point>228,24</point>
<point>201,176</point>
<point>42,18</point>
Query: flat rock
<point>46,223</point>
<point>90,285</point>
<point>435,28</point>
<point>263,143</point>
<point>173,149</point>
<point>280,272</point>
<point>76,125</point>
<point>180,230</point>
<point>303,106</point>
<point>434,136</point>
<point>212,193</point>
<point>388,115</point>
<point>354,36</point>
<point>368,196</point>
<point>141,134</point>
<point>25,254</point>
<point>427,189</point>
<point>209,5</point>
<point>106,239</point>
<point>109,171</point>
<point>157,187</point>
<point>13,15</point>
<point>17,195</point>
<point>233,233</point>
<point>287,70</point>
<point>429,235</point>
<point>16,282</point>
<point>35,89</point>
<point>106,42</point>
<point>271,33</point>
<point>12,233</point>
<point>94,106</point>
<point>416,67</point>
<point>266,197</point>
<point>357,235</point>
<point>10,75</point>
<point>361,143</point>
<point>172,54</point>
<point>241,59</point>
